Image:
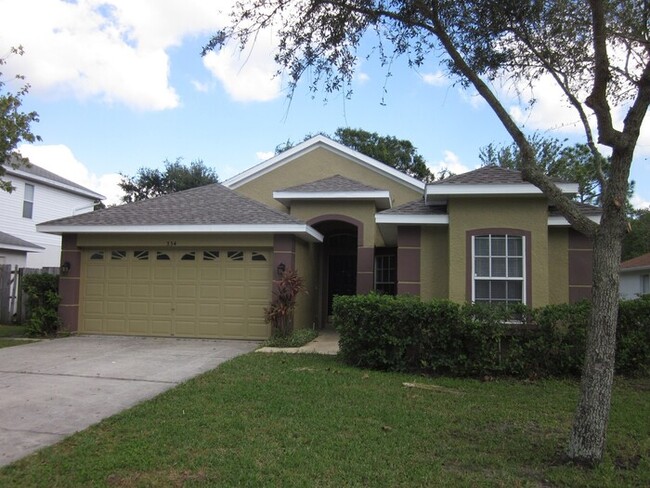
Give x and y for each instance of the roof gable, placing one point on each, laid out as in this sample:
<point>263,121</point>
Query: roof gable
<point>323,142</point>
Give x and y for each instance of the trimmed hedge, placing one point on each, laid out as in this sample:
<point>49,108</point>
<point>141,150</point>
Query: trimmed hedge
<point>402,333</point>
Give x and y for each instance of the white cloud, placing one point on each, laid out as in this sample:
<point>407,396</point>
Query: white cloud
<point>435,79</point>
<point>60,160</point>
<point>639,202</point>
<point>362,77</point>
<point>112,50</point>
<point>451,162</point>
<point>200,87</point>
<point>249,75</point>
<point>264,155</point>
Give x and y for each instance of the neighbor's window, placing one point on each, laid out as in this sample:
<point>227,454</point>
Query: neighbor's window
<point>386,274</point>
<point>28,201</point>
<point>645,284</point>
<point>498,269</point>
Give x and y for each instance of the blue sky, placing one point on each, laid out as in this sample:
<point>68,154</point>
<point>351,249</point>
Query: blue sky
<point>120,84</point>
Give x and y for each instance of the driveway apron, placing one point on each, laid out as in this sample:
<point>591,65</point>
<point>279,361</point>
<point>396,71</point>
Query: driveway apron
<point>51,389</point>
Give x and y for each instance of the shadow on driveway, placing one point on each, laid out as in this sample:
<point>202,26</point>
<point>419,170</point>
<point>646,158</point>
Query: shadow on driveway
<point>51,389</point>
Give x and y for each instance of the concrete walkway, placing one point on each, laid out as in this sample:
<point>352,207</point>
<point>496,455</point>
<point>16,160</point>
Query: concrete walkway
<point>327,342</point>
<point>51,389</point>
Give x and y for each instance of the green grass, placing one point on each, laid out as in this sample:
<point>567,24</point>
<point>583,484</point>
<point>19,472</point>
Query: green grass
<point>13,331</point>
<point>307,420</point>
<point>298,338</point>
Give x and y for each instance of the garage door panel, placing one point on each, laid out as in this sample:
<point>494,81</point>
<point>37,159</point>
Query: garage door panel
<point>163,291</point>
<point>176,293</point>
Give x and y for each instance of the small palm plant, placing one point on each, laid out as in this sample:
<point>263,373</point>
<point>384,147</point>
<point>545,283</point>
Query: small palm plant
<point>280,313</point>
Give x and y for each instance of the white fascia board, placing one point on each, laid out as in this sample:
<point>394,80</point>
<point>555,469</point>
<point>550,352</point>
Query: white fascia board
<point>381,197</point>
<point>488,189</point>
<point>314,143</point>
<point>412,219</point>
<point>302,230</point>
<point>56,184</point>
<point>560,221</point>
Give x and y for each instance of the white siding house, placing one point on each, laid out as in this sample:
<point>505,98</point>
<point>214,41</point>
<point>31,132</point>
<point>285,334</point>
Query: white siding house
<point>38,196</point>
<point>635,277</point>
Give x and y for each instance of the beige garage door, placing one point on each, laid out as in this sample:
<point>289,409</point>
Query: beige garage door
<point>218,293</point>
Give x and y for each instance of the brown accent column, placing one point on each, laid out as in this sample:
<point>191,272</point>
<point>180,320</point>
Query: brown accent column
<point>284,252</point>
<point>70,283</point>
<point>408,260</point>
<point>365,270</point>
<point>580,266</point>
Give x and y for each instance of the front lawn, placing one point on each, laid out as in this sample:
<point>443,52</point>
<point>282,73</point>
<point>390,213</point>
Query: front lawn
<point>12,335</point>
<point>307,420</point>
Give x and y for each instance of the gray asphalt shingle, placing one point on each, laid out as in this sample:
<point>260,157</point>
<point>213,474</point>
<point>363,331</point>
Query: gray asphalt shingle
<point>331,184</point>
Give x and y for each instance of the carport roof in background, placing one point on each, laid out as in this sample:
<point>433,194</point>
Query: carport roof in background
<point>207,205</point>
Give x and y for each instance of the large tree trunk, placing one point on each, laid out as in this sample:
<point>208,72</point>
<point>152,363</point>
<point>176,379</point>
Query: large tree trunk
<point>587,443</point>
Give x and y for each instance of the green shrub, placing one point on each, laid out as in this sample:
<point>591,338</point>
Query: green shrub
<point>401,333</point>
<point>42,303</point>
<point>633,337</point>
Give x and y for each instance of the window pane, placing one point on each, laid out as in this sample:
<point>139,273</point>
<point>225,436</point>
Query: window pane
<point>210,255</point>
<point>482,290</point>
<point>498,245</point>
<point>29,192</point>
<point>188,256</point>
<point>118,255</point>
<point>258,256</point>
<point>162,256</point>
<point>482,267</point>
<point>28,209</point>
<point>482,245</point>
<point>515,246</point>
<point>141,255</point>
<point>514,290</point>
<point>236,255</point>
<point>97,255</point>
<point>499,267</point>
<point>498,290</point>
<point>515,268</point>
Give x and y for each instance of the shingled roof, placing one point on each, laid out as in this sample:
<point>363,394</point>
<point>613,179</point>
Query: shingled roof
<point>416,207</point>
<point>9,241</point>
<point>334,183</point>
<point>41,174</point>
<point>639,262</point>
<point>584,208</point>
<point>488,175</point>
<point>207,205</point>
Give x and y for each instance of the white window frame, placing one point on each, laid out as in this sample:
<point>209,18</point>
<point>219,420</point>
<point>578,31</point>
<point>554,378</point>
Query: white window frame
<point>523,278</point>
<point>28,201</point>
<point>645,284</point>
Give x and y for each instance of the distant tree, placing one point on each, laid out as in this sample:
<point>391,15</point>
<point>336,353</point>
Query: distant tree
<point>637,241</point>
<point>577,163</point>
<point>152,182</point>
<point>401,154</point>
<point>14,124</point>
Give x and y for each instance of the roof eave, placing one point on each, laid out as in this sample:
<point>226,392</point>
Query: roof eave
<point>303,231</point>
<point>411,219</point>
<point>560,221</point>
<point>55,184</point>
<point>474,190</point>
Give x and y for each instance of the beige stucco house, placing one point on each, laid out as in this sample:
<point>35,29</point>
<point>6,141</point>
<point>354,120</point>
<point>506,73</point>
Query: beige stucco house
<point>201,263</point>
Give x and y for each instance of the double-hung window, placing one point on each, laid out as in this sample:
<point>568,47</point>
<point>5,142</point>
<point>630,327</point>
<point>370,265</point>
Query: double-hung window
<point>386,273</point>
<point>28,201</point>
<point>498,269</point>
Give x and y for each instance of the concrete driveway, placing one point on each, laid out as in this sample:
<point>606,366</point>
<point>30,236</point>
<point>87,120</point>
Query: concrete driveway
<point>51,389</point>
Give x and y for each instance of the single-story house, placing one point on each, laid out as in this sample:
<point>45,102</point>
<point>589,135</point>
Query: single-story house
<point>201,263</point>
<point>635,277</point>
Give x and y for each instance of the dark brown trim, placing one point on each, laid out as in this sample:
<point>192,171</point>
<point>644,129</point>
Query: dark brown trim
<point>408,260</point>
<point>70,284</point>
<point>498,230</point>
<point>342,218</point>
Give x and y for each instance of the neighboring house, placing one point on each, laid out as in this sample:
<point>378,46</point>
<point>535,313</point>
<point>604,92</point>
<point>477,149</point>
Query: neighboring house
<point>202,262</point>
<point>635,277</point>
<point>39,195</point>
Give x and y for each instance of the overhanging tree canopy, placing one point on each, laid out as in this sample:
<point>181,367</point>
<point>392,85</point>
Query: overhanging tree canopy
<point>597,52</point>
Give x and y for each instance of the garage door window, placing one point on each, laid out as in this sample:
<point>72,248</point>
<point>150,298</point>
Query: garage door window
<point>162,256</point>
<point>118,255</point>
<point>210,255</point>
<point>141,255</point>
<point>189,256</point>
<point>236,255</point>
<point>258,256</point>
<point>97,256</point>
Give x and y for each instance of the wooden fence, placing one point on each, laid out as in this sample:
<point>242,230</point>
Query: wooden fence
<point>12,298</point>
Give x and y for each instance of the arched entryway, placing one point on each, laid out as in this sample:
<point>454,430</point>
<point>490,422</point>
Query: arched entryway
<point>339,260</point>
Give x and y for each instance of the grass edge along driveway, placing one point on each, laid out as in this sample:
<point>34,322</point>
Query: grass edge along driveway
<point>308,420</point>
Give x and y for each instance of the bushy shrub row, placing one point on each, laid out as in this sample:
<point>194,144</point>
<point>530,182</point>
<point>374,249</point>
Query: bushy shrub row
<point>402,333</point>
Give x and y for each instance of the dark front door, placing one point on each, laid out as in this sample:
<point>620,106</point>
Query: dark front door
<point>342,277</point>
